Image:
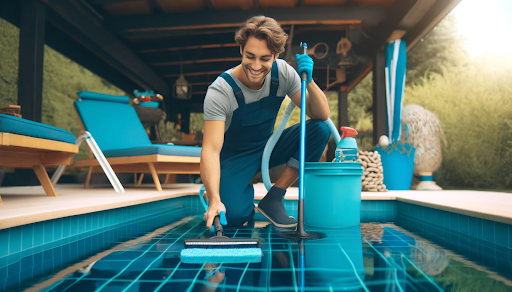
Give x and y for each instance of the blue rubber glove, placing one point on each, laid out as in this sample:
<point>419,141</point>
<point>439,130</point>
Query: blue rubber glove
<point>222,220</point>
<point>305,63</point>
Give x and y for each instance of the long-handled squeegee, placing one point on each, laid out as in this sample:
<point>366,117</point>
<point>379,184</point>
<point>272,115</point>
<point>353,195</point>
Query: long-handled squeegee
<point>220,248</point>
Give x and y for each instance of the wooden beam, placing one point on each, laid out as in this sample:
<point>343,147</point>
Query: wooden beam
<point>430,19</point>
<point>31,143</point>
<point>362,72</point>
<point>173,49</point>
<point>75,19</point>
<point>184,41</point>
<point>193,56</point>
<point>390,23</point>
<point>123,25</point>
<point>197,68</point>
<point>201,74</point>
<point>31,56</point>
<point>178,160</point>
<point>380,124</point>
<point>186,62</point>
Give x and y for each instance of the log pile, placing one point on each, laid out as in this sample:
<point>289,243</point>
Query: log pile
<point>373,173</point>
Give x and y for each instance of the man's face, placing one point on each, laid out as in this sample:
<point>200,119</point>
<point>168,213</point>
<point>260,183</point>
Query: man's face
<point>256,60</point>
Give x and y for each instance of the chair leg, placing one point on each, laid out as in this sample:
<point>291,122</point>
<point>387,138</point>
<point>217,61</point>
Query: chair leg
<point>170,178</point>
<point>141,177</point>
<point>155,177</point>
<point>93,146</point>
<point>88,177</point>
<point>44,179</point>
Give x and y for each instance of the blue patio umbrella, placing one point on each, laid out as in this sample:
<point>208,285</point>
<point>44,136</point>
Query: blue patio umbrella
<point>396,62</point>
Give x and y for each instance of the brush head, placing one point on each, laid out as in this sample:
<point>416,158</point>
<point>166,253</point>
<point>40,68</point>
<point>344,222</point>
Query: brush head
<point>221,242</point>
<point>223,255</point>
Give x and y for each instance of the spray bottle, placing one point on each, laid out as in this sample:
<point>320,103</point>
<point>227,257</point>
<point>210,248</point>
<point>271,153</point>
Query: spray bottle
<point>346,150</point>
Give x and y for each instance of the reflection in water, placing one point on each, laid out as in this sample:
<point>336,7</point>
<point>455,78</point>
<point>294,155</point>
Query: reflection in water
<point>370,257</point>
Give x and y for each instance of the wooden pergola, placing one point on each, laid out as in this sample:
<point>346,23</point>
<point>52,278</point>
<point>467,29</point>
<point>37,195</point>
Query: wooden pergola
<point>142,44</point>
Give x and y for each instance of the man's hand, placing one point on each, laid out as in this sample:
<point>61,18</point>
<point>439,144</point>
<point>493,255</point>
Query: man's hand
<point>214,209</point>
<point>305,64</point>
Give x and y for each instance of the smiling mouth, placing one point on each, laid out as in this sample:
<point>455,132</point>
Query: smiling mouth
<point>256,73</point>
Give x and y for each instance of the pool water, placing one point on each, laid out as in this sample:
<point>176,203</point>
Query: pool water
<point>369,257</point>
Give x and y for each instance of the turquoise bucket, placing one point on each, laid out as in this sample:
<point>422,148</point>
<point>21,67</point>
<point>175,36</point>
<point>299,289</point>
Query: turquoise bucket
<point>332,194</point>
<point>398,164</point>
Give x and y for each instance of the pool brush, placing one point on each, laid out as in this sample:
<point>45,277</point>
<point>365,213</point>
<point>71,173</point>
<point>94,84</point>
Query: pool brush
<point>220,248</point>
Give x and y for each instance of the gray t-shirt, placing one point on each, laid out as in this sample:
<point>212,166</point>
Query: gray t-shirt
<point>220,101</point>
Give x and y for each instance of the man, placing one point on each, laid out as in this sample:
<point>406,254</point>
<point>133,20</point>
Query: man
<point>240,110</point>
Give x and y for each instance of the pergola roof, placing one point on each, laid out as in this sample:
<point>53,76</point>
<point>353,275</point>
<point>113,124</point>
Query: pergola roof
<point>141,44</point>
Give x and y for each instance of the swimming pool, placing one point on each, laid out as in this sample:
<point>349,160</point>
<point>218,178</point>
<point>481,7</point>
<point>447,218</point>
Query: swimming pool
<point>398,253</point>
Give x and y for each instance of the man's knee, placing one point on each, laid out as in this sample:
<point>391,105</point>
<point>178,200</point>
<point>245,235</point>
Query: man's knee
<point>237,216</point>
<point>319,128</point>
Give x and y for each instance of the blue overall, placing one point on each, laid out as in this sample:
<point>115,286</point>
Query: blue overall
<point>240,158</point>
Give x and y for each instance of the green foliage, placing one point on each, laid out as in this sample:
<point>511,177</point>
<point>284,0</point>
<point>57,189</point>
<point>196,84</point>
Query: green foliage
<point>62,79</point>
<point>196,122</point>
<point>441,47</point>
<point>473,103</point>
<point>9,46</point>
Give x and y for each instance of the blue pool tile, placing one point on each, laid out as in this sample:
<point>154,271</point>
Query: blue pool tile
<point>57,229</point>
<point>15,239</point>
<point>3,274</point>
<point>4,242</point>
<point>472,226</point>
<point>501,234</point>
<point>66,227</point>
<point>14,269</point>
<point>74,225</point>
<point>454,221</point>
<point>27,239</point>
<point>48,231</point>
<point>81,224</point>
<point>38,233</point>
<point>88,221</point>
<point>464,224</point>
<point>510,236</point>
<point>488,230</point>
<point>27,263</point>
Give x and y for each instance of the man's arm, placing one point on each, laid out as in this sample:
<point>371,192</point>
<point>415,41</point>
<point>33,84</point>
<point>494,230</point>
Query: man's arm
<point>317,106</point>
<point>213,139</point>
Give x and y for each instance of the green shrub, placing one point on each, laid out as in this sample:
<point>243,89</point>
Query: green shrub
<point>474,103</point>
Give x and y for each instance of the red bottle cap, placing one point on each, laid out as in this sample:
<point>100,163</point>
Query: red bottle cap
<point>348,132</point>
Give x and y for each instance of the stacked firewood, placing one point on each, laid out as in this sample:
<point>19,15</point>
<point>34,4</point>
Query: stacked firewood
<point>373,173</point>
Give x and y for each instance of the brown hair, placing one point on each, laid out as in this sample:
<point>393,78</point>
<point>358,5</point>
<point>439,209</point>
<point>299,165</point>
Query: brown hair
<point>263,28</point>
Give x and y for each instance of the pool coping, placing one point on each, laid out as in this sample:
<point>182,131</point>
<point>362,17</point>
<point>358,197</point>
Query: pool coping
<point>25,205</point>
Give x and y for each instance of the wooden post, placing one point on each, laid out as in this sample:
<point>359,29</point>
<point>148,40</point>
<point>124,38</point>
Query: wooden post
<point>343,109</point>
<point>380,124</point>
<point>31,55</point>
<point>30,73</point>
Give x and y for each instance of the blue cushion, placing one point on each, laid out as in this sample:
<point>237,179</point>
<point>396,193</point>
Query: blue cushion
<point>116,126</point>
<point>156,149</point>
<point>113,125</point>
<point>15,125</point>
<point>103,97</point>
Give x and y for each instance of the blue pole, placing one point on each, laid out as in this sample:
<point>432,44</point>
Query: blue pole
<point>302,128</point>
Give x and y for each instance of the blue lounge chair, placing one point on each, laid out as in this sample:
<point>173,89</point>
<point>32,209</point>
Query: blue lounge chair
<point>121,138</point>
<point>28,144</point>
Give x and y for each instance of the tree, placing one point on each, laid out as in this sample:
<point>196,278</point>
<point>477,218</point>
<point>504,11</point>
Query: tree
<point>442,47</point>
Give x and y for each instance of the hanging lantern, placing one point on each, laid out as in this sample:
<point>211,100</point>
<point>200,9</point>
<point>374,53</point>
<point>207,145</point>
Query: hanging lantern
<point>181,88</point>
